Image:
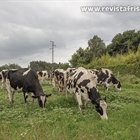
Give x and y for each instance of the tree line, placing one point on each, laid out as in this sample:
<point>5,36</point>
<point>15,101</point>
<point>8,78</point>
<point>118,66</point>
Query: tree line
<point>38,66</point>
<point>96,48</point>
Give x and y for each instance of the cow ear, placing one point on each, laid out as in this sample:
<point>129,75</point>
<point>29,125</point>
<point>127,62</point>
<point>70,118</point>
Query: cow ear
<point>35,96</point>
<point>105,98</point>
<point>48,95</point>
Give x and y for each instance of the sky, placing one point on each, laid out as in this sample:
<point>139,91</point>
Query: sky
<point>27,27</point>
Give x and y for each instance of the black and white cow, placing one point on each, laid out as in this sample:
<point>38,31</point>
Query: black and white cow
<point>64,76</point>
<point>105,77</point>
<point>81,82</point>
<point>25,80</point>
<point>3,74</point>
<point>43,75</point>
<point>57,75</point>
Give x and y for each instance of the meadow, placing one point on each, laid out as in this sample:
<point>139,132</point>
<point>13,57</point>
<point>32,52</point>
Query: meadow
<point>61,119</point>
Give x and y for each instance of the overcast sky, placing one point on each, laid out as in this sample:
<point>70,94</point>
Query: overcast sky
<point>28,26</point>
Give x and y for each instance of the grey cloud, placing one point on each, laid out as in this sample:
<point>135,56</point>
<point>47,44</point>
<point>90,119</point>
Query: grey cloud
<point>27,27</point>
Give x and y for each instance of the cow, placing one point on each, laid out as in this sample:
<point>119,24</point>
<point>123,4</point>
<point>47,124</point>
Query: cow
<point>57,75</point>
<point>25,80</point>
<point>3,74</point>
<point>105,77</point>
<point>64,75</point>
<point>81,83</point>
<point>43,75</point>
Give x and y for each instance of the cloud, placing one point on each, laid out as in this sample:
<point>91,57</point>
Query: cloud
<point>27,27</point>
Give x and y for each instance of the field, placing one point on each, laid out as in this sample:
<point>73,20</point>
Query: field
<point>61,120</point>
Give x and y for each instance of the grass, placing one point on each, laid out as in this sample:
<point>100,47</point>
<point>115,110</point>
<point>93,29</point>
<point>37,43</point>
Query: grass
<point>61,120</point>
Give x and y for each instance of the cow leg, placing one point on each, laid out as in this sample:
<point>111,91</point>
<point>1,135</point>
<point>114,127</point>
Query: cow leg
<point>58,91</point>
<point>106,88</point>
<point>66,93</point>
<point>48,82</point>
<point>64,90</point>
<point>78,97</point>
<point>32,100</point>
<point>2,85</point>
<point>108,84</point>
<point>11,96</point>
<point>10,92</point>
<point>86,102</point>
<point>31,94</point>
<point>86,99</point>
<point>26,99</point>
<point>53,84</point>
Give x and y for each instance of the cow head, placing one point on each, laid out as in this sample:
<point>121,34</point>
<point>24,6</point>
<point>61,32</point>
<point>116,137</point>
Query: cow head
<point>42,99</point>
<point>101,106</point>
<point>118,85</point>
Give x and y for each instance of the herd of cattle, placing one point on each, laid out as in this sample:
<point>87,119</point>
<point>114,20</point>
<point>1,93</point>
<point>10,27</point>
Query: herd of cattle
<point>81,82</point>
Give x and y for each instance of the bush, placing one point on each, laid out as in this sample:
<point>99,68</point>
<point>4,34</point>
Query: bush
<point>124,64</point>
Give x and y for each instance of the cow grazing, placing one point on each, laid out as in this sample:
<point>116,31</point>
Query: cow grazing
<point>105,77</point>
<point>25,80</point>
<point>81,82</point>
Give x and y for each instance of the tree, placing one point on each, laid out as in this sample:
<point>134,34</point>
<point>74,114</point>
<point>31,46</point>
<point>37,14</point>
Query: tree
<point>63,66</point>
<point>74,60</point>
<point>88,56</point>
<point>122,43</point>
<point>10,66</point>
<point>42,65</point>
<point>96,46</point>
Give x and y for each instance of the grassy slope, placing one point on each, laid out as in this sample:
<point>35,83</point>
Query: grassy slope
<point>61,119</point>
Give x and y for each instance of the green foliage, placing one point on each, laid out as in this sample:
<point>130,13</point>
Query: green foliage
<point>96,48</point>
<point>63,66</point>
<point>124,64</point>
<point>122,55</point>
<point>38,66</point>
<point>78,58</point>
<point>122,43</point>
<point>42,65</point>
<point>10,66</point>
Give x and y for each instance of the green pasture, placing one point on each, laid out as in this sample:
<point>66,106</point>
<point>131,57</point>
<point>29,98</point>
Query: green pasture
<point>61,119</point>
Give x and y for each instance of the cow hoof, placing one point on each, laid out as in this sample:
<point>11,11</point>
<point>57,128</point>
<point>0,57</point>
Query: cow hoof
<point>11,102</point>
<point>82,107</point>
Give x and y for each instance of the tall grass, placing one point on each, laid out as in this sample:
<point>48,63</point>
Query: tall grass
<point>62,120</point>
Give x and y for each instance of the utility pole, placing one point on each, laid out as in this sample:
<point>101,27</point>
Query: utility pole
<point>52,52</point>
